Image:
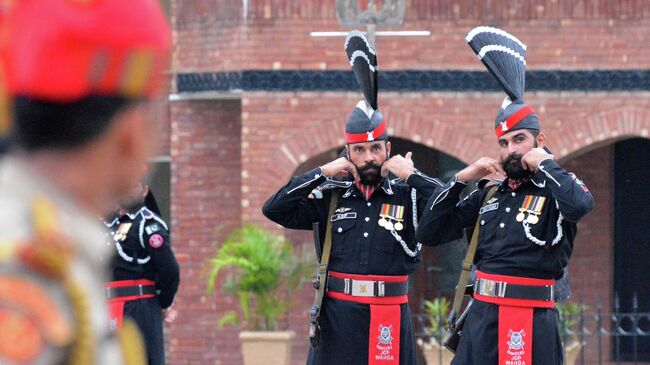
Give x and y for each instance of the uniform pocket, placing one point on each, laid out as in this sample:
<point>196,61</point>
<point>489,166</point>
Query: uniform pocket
<point>342,231</point>
<point>488,225</point>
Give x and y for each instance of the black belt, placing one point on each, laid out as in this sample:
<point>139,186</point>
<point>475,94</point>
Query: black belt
<point>367,288</point>
<point>501,289</point>
<point>130,291</point>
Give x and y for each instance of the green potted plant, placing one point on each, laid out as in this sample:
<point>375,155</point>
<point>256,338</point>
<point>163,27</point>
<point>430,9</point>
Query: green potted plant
<point>263,272</point>
<point>436,313</point>
<point>569,320</point>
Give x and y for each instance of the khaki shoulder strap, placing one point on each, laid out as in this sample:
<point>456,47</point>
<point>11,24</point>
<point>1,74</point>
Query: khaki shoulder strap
<point>325,258</point>
<point>327,245</point>
<point>469,259</point>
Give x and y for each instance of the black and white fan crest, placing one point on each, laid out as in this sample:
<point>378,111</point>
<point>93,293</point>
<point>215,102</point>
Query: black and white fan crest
<point>363,60</point>
<point>503,55</point>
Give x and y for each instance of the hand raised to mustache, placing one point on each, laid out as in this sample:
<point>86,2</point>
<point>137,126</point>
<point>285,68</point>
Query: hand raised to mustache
<point>532,158</point>
<point>482,167</point>
<point>340,167</point>
<point>400,166</point>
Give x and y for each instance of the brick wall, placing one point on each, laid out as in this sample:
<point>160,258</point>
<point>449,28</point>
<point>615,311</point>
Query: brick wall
<point>233,10</point>
<point>162,126</point>
<point>205,153</point>
<point>592,264</point>
<point>565,34</point>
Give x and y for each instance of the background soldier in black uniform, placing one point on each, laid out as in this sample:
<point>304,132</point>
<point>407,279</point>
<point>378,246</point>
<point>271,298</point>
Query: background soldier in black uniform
<point>527,228</point>
<point>144,270</point>
<point>365,318</point>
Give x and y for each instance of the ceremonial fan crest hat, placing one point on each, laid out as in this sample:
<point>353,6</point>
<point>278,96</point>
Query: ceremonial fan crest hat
<point>365,123</point>
<point>504,56</point>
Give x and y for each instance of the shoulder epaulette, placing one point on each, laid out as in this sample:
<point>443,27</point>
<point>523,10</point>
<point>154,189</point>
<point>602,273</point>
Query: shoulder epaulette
<point>147,214</point>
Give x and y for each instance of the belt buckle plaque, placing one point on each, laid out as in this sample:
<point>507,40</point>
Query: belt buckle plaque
<point>492,288</point>
<point>363,288</point>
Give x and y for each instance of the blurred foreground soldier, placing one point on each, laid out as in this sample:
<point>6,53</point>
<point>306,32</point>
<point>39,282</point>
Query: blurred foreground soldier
<point>145,274</point>
<point>526,229</point>
<point>79,74</point>
<point>364,317</point>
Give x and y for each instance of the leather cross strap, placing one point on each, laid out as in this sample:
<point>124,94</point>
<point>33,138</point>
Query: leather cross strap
<point>325,257</point>
<point>467,263</point>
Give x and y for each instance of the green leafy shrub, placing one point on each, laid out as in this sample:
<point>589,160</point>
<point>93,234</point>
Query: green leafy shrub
<point>569,320</point>
<point>265,272</point>
<point>436,312</point>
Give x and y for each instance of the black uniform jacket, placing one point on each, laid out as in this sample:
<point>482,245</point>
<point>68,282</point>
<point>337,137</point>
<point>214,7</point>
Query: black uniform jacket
<point>507,246</point>
<point>145,252</point>
<point>359,244</point>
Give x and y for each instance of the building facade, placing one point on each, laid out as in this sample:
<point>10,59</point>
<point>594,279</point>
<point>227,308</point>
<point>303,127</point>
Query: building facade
<point>256,99</point>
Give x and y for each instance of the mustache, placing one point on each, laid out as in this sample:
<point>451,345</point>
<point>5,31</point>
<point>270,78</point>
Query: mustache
<point>369,167</point>
<point>370,173</point>
<point>513,167</point>
<point>512,159</point>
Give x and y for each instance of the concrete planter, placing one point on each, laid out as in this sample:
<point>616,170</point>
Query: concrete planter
<point>571,352</point>
<point>434,352</point>
<point>263,348</point>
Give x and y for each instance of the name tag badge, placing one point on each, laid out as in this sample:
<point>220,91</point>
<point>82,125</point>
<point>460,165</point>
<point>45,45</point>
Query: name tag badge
<point>489,208</point>
<point>350,215</point>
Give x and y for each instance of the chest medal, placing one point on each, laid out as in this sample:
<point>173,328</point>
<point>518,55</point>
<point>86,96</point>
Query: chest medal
<point>121,232</point>
<point>391,217</point>
<point>531,209</point>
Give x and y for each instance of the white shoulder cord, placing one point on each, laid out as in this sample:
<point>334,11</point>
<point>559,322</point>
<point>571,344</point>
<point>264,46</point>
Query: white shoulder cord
<point>418,246</point>
<point>537,241</point>
<point>406,248</point>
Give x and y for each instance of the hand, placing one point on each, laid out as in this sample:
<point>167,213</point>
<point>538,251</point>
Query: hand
<point>532,158</point>
<point>169,315</point>
<point>479,169</point>
<point>340,167</point>
<point>400,166</point>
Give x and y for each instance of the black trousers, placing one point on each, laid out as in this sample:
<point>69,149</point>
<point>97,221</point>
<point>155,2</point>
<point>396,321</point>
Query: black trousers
<point>345,328</point>
<point>147,314</point>
<point>479,339</point>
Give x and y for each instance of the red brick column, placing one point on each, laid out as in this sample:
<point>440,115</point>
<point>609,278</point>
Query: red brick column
<point>592,264</point>
<point>205,195</point>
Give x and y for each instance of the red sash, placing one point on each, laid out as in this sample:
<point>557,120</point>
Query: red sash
<point>515,319</point>
<point>116,305</point>
<point>385,318</point>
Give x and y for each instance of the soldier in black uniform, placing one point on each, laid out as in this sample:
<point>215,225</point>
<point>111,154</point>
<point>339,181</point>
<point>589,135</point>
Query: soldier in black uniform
<point>365,317</point>
<point>527,227</point>
<point>144,271</point>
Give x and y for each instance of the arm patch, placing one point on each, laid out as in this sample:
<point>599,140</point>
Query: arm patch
<point>152,228</point>
<point>579,182</point>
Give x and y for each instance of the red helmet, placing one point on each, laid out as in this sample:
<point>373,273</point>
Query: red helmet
<point>64,50</point>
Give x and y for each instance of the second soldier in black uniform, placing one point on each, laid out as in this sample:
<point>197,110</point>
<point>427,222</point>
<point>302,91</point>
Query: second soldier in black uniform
<point>145,272</point>
<point>526,228</point>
